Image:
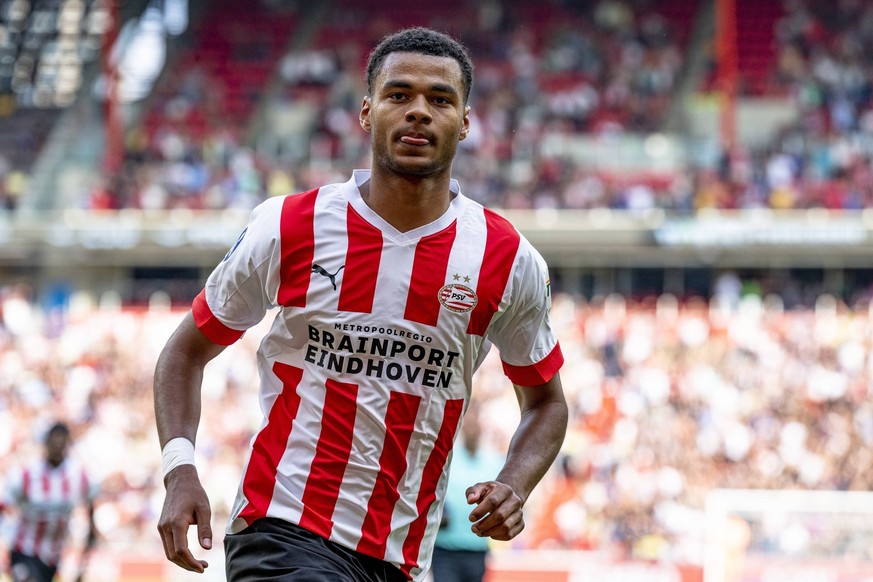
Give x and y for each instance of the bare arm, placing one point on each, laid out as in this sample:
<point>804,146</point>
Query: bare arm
<point>534,446</point>
<point>178,378</point>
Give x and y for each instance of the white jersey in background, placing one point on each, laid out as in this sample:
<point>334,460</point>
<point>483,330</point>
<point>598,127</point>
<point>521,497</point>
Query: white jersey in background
<point>45,497</point>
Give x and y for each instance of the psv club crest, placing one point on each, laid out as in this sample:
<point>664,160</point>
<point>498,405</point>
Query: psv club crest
<point>458,298</point>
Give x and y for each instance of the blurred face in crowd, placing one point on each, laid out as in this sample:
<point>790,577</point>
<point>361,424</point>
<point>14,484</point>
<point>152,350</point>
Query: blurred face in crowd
<point>56,445</point>
<point>416,114</point>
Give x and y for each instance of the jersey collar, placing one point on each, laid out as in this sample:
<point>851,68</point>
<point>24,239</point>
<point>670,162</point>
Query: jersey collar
<point>360,177</point>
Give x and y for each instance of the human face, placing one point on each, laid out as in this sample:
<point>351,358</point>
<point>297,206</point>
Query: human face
<point>56,446</point>
<point>416,115</point>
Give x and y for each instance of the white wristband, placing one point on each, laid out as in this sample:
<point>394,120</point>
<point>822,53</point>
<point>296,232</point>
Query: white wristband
<point>177,451</point>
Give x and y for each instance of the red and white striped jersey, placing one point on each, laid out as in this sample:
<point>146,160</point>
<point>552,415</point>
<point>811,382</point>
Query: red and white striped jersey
<point>367,368</point>
<point>45,497</point>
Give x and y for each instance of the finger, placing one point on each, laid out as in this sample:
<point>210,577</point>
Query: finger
<point>487,504</point>
<point>508,511</point>
<point>502,529</point>
<point>204,528</point>
<point>506,535</point>
<point>177,541</point>
<point>500,520</point>
<point>476,492</point>
<point>164,541</point>
<point>183,557</point>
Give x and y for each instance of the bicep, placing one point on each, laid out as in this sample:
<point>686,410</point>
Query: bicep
<point>541,395</point>
<point>190,344</point>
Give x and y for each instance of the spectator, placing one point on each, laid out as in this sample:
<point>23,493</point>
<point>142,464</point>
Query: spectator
<point>459,554</point>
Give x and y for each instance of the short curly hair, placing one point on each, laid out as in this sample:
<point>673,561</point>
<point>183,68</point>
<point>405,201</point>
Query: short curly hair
<point>59,428</point>
<point>425,41</point>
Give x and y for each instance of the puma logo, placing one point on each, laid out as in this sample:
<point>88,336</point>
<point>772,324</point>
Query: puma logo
<point>316,268</point>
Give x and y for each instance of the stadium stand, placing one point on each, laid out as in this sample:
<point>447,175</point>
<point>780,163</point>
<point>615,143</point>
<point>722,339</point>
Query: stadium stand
<point>549,73</point>
<point>218,80</point>
<point>544,69</point>
<point>190,150</point>
<point>45,48</point>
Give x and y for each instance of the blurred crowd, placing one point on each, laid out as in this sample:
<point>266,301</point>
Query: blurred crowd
<point>602,70</point>
<point>674,399</point>
<point>669,399</point>
<point>545,73</point>
<point>92,365</point>
<point>824,158</point>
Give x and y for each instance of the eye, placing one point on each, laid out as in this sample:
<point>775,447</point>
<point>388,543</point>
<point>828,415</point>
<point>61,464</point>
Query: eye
<point>442,100</point>
<point>397,96</point>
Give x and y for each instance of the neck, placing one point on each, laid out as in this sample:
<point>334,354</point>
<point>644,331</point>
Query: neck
<point>407,202</point>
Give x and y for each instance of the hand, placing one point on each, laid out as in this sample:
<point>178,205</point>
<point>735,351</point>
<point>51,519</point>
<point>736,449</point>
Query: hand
<point>498,512</point>
<point>186,504</point>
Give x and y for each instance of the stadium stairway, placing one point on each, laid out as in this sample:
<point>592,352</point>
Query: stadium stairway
<point>234,48</point>
<point>756,47</point>
<point>699,27</point>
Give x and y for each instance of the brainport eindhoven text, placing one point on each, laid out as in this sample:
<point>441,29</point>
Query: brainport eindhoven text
<point>378,357</point>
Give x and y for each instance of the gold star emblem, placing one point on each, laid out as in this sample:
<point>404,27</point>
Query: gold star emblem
<point>466,279</point>
<point>457,277</point>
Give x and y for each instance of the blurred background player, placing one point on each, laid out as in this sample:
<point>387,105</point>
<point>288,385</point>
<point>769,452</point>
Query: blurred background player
<point>45,492</point>
<point>459,554</point>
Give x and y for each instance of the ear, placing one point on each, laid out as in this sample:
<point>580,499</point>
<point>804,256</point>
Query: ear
<point>465,127</point>
<point>364,115</point>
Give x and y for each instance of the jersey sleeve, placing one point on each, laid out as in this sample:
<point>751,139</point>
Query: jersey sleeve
<point>241,289</point>
<point>523,333</point>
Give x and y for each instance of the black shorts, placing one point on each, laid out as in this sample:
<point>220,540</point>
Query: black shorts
<point>24,567</point>
<point>276,550</point>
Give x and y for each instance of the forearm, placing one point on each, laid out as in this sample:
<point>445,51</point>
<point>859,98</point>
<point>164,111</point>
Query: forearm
<point>177,398</point>
<point>178,379</point>
<point>534,446</point>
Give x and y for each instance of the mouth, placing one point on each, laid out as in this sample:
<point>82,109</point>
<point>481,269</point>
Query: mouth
<point>415,139</point>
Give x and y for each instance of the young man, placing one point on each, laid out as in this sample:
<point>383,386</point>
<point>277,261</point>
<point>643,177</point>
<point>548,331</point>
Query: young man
<point>45,492</point>
<point>392,288</point>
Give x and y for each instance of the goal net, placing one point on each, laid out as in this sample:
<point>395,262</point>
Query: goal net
<point>788,536</point>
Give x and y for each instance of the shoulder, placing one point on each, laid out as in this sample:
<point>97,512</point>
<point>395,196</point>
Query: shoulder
<point>503,236</point>
<point>78,474</point>
<point>484,221</point>
<point>15,473</point>
<point>301,205</point>
<point>279,212</point>
<point>75,467</point>
<point>20,475</point>
<point>276,203</point>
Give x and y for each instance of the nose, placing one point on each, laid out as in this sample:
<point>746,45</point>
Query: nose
<point>419,110</point>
